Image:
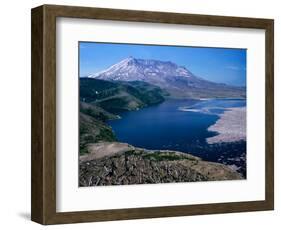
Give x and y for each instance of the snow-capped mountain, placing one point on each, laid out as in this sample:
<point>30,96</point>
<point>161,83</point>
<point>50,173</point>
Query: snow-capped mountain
<point>132,69</point>
<point>177,80</point>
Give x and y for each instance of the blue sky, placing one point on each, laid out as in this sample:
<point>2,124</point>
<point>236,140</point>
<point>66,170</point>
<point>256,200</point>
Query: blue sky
<point>213,64</point>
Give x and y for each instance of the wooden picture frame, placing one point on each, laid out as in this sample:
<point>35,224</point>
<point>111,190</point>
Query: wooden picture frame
<point>43,208</point>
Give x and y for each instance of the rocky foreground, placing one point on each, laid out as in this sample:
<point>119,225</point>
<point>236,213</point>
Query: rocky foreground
<point>114,163</point>
<point>230,127</point>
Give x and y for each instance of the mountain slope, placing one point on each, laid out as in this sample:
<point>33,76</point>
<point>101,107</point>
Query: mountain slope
<point>112,163</point>
<point>177,80</point>
<point>119,96</point>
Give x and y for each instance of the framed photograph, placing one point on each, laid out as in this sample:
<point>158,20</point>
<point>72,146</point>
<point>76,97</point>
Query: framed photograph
<point>141,114</point>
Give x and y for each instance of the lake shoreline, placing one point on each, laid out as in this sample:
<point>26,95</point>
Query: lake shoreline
<point>231,126</point>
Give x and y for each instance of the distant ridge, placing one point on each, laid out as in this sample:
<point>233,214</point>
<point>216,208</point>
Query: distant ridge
<point>177,80</point>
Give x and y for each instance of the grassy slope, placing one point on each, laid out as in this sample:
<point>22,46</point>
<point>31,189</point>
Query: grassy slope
<point>96,112</point>
<point>92,130</point>
<point>119,96</point>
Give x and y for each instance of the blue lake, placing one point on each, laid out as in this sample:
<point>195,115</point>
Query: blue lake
<point>180,125</point>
